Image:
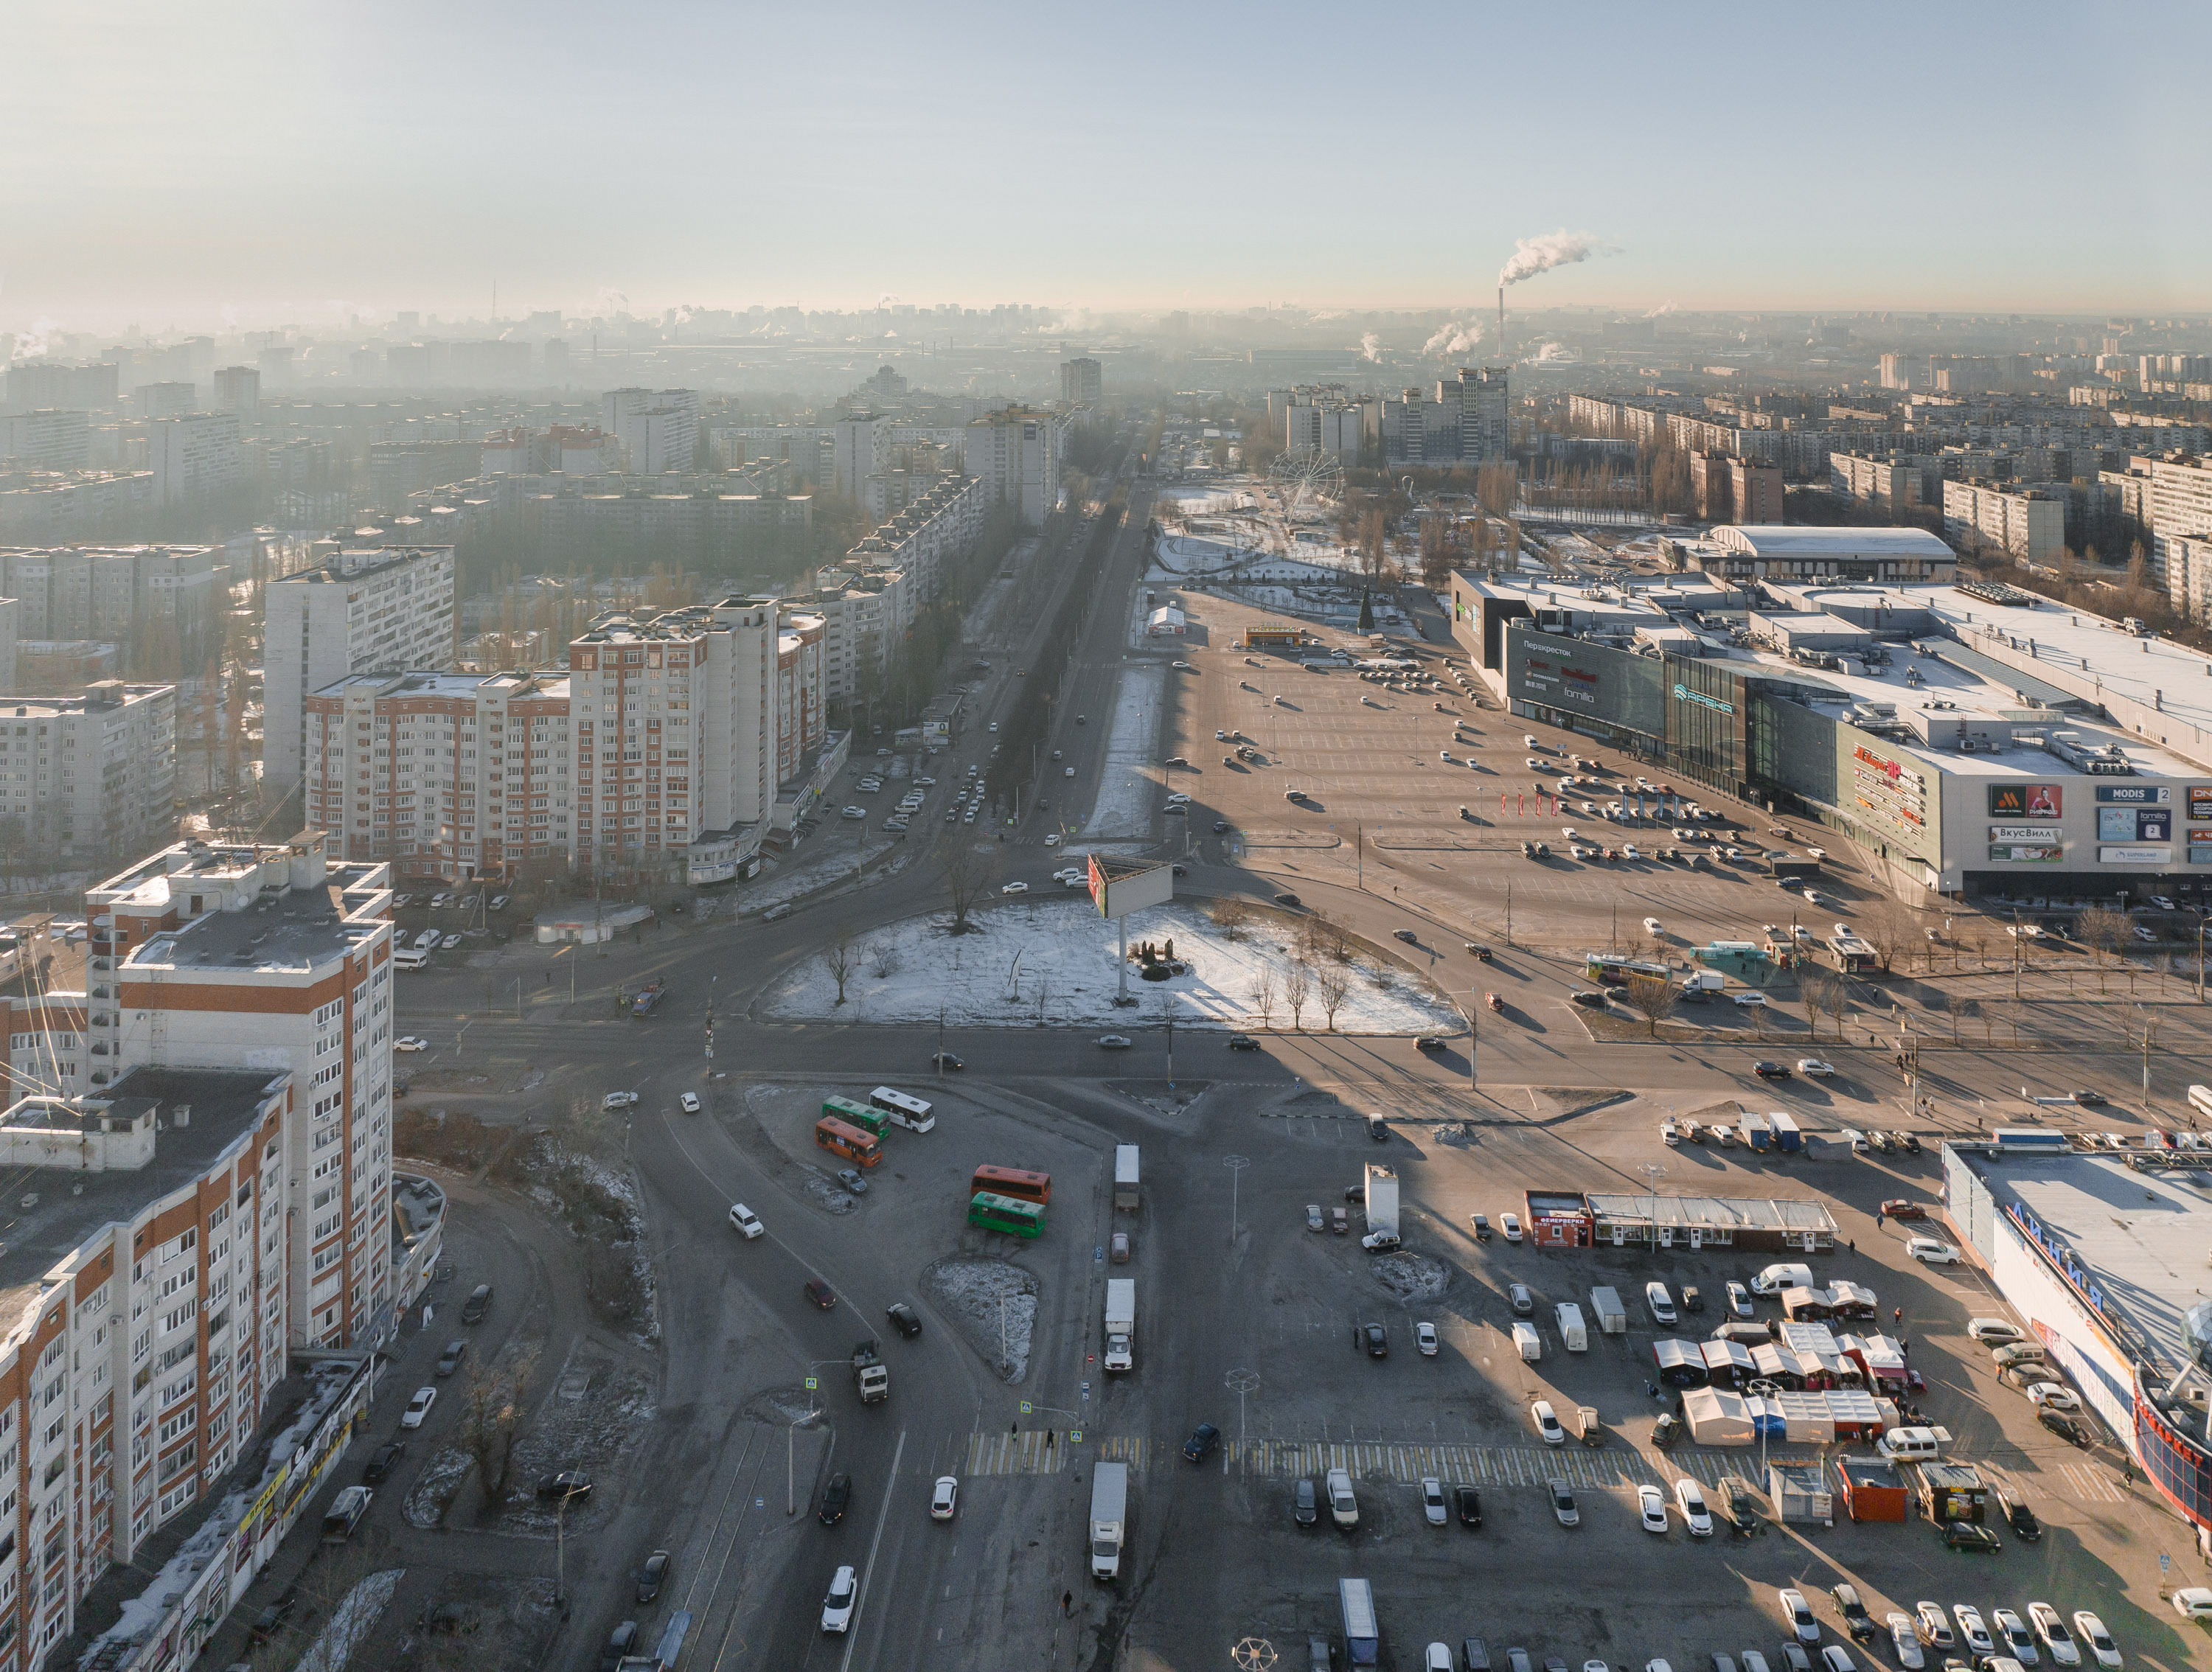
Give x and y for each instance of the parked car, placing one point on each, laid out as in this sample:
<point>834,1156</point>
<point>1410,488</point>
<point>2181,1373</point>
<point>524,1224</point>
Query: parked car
<point>418,1408</point>
<point>450,1359</point>
<point>652,1576</point>
<point>1897,1207</point>
<point>569,1485</point>
<point>382,1461</point>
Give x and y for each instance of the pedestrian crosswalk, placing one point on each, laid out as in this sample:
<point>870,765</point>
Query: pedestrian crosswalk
<point>1046,1451</point>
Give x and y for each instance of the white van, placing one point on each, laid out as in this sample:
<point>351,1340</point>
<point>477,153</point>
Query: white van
<point>1913,1445</point>
<point>1530,1344</point>
<point>1571,1332</point>
<point>1659,1303</point>
<point>1775,1278</point>
<point>426,940</point>
<point>410,957</point>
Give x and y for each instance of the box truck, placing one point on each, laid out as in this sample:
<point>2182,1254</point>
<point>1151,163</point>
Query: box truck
<point>1612,1316</point>
<point>1381,1202</point>
<point>1121,1323</point>
<point>1363,1637</point>
<point>1110,1518</point>
<point>1789,1136</point>
<point>1125,1178</point>
<point>1573,1334</point>
<point>1757,1133</point>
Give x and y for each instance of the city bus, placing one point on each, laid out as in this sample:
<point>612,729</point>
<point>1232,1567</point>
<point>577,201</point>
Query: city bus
<point>855,1114</point>
<point>912,1113</point>
<point>1013,1182</point>
<point>2200,1099</point>
<point>996,1213</point>
<point>849,1141</point>
<point>1609,970</point>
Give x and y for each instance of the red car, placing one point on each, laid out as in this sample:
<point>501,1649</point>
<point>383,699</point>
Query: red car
<point>1901,1209</point>
<point>821,1294</point>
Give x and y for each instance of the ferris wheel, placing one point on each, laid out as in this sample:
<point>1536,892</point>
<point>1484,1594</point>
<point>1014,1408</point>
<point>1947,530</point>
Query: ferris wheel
<point>1305,477</point>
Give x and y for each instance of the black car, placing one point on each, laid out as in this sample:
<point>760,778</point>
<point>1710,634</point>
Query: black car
<point>1242,1042</point>
<point>1286,899</point>
<point>652,1576</point>
<point>1469,1503</point>
<point>619,1642</point>
<point>1770,1070</point>
<point>1591,1000</point>
<point>1966,1537</point>
<point>271,1619</point>
<point>1856,1621</point>
<point>2021,1519</point>
<point>450,1359</point>
<point>1220,826</point>
<point>2063,1426</point>
<point>903,1319</point>
<point>947,1060</point>
<point>1179,870</point>
<point>1306,1503</point>
<point>1203,1439</point>
<point>1694,1299</point>
<point>1428,1042</point>
<point>477,1303</point>
<point>1375,1339</point>
<point>836,1498</point>
<point>382,1461</point>
<point>2089,1099</point>
<point>570,1486</point>
<point>1406,935</point>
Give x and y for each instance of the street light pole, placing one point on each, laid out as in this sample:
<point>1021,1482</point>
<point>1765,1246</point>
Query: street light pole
<point>1237,1164</point>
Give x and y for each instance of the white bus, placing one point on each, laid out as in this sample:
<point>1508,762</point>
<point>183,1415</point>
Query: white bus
<point>410,957</point>
<point>912,1113</point>
<point>2200,1099</point>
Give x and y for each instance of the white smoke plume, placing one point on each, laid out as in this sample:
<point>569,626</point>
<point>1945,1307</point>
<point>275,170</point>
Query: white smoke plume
<point>1371,346</point>
<point>1454,336</point>
<point>611,300</point>
<point>38,342</point>
<point>1667,307</point>
<point>229,313</point>
<point>1532,256</point>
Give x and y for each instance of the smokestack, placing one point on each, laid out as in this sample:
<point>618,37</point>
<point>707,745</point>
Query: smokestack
<point>1501,326</point>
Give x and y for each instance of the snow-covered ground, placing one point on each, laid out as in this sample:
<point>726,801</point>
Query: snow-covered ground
<point>1128,786</point>
<point>350,1621</point>
<point>996,1303</point>
<point>825,857</point>
<point>1057,960</point>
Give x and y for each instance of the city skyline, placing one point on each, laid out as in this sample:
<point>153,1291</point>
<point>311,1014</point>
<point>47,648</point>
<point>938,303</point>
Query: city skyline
<point>1715,168</point>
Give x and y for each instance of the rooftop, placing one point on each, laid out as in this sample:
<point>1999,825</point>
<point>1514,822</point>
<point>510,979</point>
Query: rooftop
<point>1777,540</point>
<point>361,563</point>
<point>296,929</point>
<point>54,1210</point>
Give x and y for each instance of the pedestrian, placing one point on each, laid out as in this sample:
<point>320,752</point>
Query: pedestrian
<point>1851,1242</point>
<point>1877,1218</point>
<point>1067,1602</point>
<point>1905,1346</point>
<point>1897,1315</point>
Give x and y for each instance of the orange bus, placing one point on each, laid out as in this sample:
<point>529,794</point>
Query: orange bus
<point>841,1138</point>
<point>1013,1182</point>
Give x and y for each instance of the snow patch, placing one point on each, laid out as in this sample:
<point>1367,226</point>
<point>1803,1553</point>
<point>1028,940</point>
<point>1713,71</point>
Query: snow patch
<point>995,1304</point>
<point>1127,788</point>
<point>351,1622</point>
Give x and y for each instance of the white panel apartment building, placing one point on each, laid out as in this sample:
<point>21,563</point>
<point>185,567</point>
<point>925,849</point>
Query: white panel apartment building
<point>269,959</point>
<point>2022,522</point>
<point>1016,456</point>
<point>656,430</point>
<point>445,774</point>
<point>193,458</point>
<point>380,607</point>
<point>93,775</point>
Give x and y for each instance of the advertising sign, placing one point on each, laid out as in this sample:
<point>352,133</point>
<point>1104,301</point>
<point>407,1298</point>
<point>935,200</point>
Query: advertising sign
<point>2135,795</point>
<point>2025,853</point>
<point>2134,824</point>
<point>2134,856</point>
<point>2200,855</point>
<point>2025,800</point>
<point>2024,833</point>
<point>2200,800</point>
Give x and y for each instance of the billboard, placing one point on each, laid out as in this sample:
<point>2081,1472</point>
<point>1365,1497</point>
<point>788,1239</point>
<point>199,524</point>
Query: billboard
<point>1891,792</point>
<point>2025,800</point>
<point>1120,886</point>
<point>2025,853</point>
<point>2134,856</point>
<point>2134,795</point>
<point>2200,800</point>
<point>2135,825</point>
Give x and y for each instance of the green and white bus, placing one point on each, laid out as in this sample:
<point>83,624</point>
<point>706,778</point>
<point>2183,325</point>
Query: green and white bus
<point>857,1114</point>
<point>1007,1213</point>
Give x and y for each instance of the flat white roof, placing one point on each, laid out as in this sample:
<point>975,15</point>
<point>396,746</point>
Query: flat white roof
<point>1777,540</point>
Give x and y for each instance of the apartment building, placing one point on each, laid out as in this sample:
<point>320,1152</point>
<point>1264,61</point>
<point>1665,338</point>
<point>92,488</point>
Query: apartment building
<point>35,383</point>
<point>570,449</point>
<point>44,1028</point>
<point>656,430</point>
<point>90,775</point>
<point>50,439</point>
<point>269,957</point>
<point>142,1291</point>
<point>1015,454</point>
<point>1731,490</point>
<point>116,592</point>
<point>194,458</point>
<point>2024,522</point>
<point>57,505</point>
<point>11,631</point>
<point>1082,382</point>
<point>443,775</point>
<point>376,607</point>
<point>688,722</point>
<point>1895,483</point>
<point>238,389</point>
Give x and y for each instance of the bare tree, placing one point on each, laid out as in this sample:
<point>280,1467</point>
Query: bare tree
<point>887,960</point>
<point>967,876</point>
<point>1230,916</point>
<point>841,958</point>
<point>1332,981</point>
<point>1263,995</point>
<point>1652,997</point>
<point>1838,1003</point>
<point>1886,930</point>
<point>1297,986</point>
<point>493,1403</point>
<point>1812,984</point>
<point>2104,931</point>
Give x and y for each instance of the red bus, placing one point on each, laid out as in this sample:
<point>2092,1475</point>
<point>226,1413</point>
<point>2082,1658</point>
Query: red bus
<point>1013,1182</point>
<point>840,1138</point>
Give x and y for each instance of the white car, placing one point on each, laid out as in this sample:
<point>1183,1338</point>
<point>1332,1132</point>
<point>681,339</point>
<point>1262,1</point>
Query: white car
<point>1432,1501</point>
<point>1569,832</point>
<point>2018,1641</point>
<point>927,783</point>
<point>1691,1500</point>
<point>1631,852</point>
<point>1739,1299</point>
<point>1834,1657</point>
<point>742,1218</point>
<point>1995,1332</point>
<point>1930,1251</point>
<point>1661,1304</point>
<point>1653,926</point>
<point>1814,1068</point>
<point>618,1100</point>
<point>1509,1226</point>
<point>1425,1337</point>
<point>1437,1657</point>
<point>2052,1397</point>
<point>1651,1509</point>
<point>1669,1133</point>
<point>852,812</point>
<point>1052,839</point>
<point>449,943</point>
<point>1750,1000</point>
<point>1547,1422</point>
<point>1803,1625</point>
<point>837,1606</point>
<point>1114,1041</point>
<point>1067,772</point>
<point>418,1408</point>
<point>1015,888</point>
<point>689,1103</point>
<point>2091,1630</point>
<point>2193,1602</point>
<point>994,725</point>
<point>1905,1642</point>
<point>944,1498</point>
<point>1972,1632</point>
<point>2057,1642</point>
<point>410,1044</point>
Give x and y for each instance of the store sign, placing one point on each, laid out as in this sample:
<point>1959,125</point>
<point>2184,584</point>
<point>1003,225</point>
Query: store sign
<point>2200,855</point>
<point>2024,852</point>
<point>1684,693</point>
<point>2024,833</point>
<point>2134,824</point>
<point>1557,682</point>
<point>2134,795</point>
<point>2025,800</point>
<point>2200,800</point>
<point>2134,856</point>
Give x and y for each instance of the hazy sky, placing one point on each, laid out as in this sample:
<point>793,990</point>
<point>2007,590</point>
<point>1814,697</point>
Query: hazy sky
<point>161,163</point>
